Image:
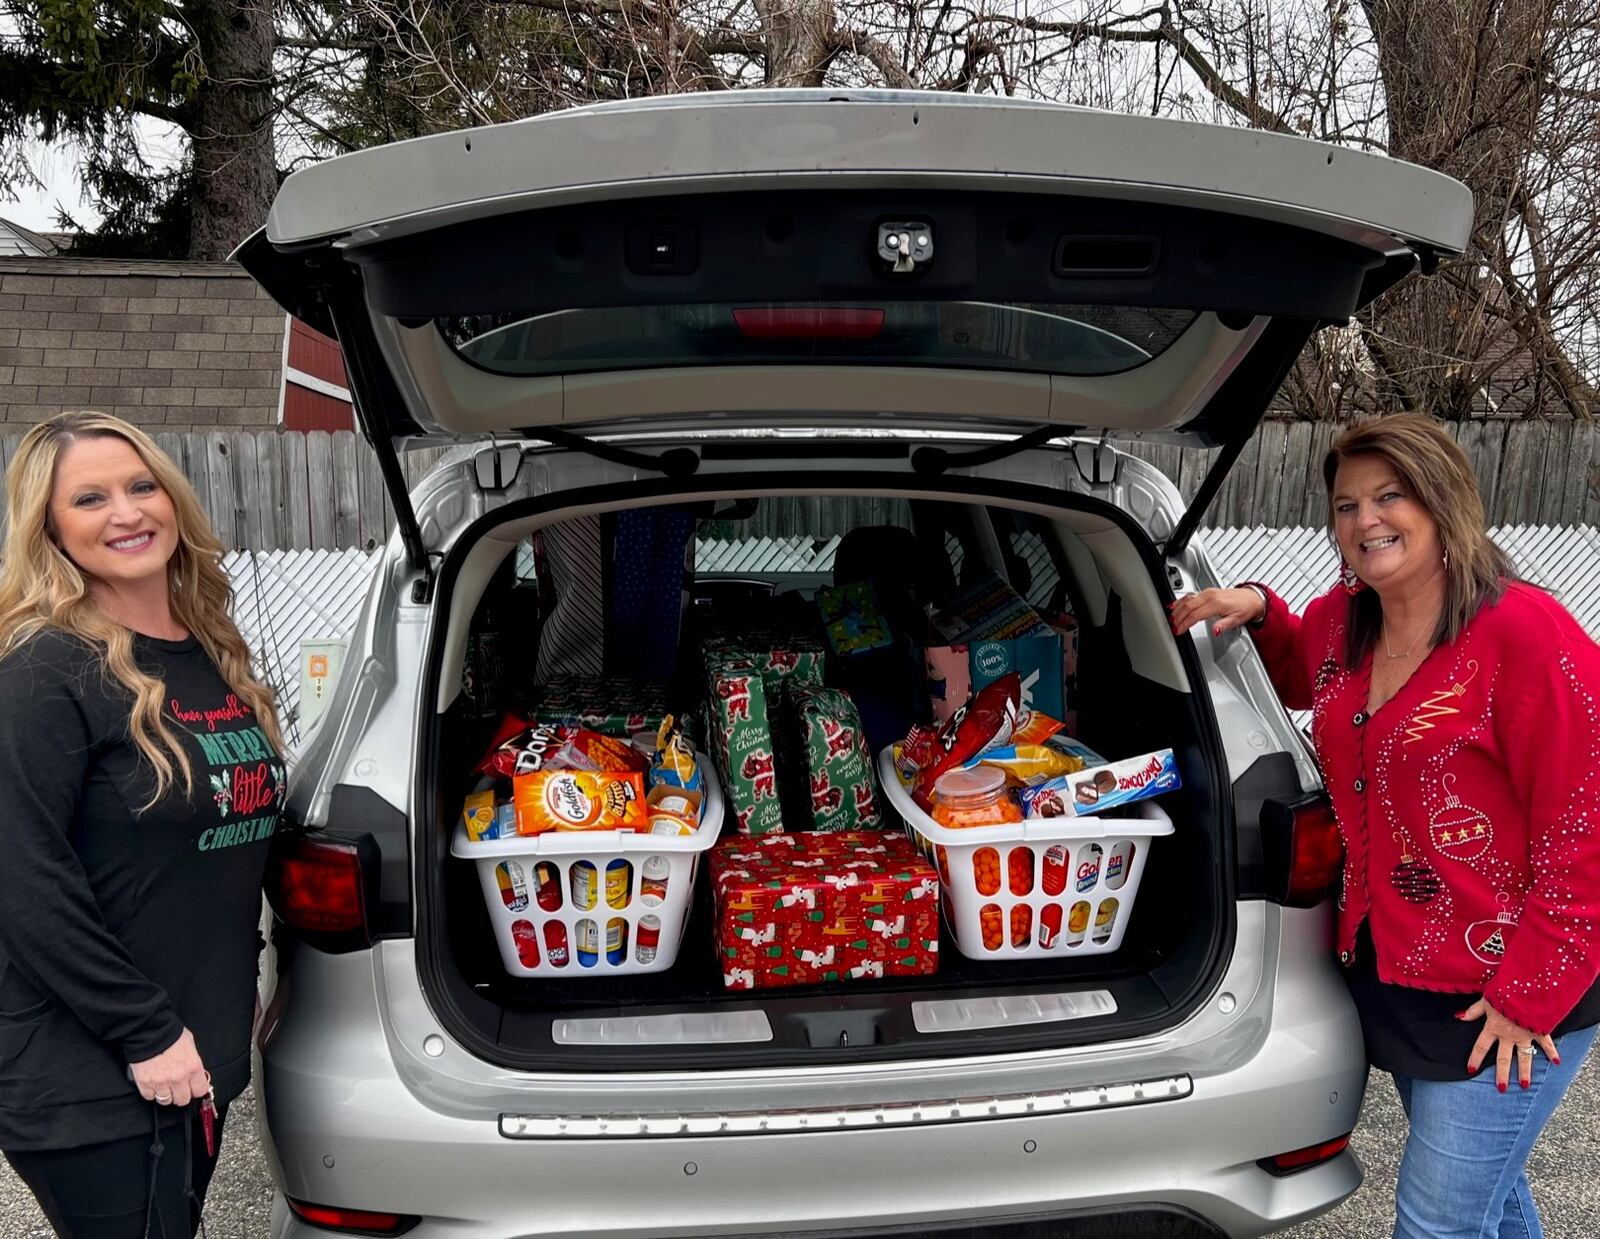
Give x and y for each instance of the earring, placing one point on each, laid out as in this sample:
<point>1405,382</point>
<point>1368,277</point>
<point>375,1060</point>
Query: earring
<point>1447,559</point>
<point>1348,578</point>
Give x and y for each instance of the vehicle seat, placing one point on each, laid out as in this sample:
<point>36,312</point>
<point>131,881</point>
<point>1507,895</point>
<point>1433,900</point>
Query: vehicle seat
<point>889,686</point>
<point>902,567</point>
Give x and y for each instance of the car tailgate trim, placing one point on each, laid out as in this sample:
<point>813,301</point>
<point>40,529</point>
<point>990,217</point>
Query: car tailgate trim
<point>791,1122</point>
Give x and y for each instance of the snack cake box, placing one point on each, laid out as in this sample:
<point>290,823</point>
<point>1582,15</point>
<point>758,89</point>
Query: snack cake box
<point>805,908</point>
<point>1101,787</point>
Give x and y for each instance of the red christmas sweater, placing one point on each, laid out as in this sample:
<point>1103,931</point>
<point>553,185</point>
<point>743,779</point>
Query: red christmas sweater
<point>1469,802</point>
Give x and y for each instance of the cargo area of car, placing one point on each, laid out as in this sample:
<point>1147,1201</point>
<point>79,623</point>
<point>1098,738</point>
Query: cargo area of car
<point>1084,567</point>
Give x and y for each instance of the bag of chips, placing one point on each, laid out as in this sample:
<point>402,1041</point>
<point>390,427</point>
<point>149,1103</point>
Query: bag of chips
<point>987,720</point>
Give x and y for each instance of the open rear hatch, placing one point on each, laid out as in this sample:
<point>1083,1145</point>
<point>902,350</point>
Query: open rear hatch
<point>648,282</point>
<point>1034,266</point>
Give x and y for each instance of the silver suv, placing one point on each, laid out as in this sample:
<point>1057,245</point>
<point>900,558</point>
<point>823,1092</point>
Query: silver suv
<point>919,313</point>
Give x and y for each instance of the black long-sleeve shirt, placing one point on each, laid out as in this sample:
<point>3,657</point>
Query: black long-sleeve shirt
<point>120,928</point>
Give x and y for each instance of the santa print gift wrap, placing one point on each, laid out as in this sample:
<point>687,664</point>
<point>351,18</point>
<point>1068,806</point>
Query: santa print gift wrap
<point>800,909</point>
<point>1469,803</point>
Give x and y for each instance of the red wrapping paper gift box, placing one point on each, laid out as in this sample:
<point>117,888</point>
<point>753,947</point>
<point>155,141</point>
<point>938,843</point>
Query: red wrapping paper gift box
<point>809,907</point>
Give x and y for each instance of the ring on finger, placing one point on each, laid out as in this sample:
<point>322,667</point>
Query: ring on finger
<point>165,1100</point>
<point>1525,1050</point>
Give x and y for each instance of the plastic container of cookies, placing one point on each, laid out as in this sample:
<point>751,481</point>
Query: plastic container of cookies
<point>1038,888</point>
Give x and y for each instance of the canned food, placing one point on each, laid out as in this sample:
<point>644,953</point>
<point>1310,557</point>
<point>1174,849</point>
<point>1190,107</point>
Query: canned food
<point>555,943</point>
<point>653,882</point>
<point>527,940</point>
<point>1105,919</point>
<point>649,939</point>
<point>619,883</point>
<point>616,940</point>
<point>1054,877</point>
<point>1050,926</point>
<point>513,886</point>
<point>547,886</point>
<point>1078,922</point>
<point>585,885</point>
<point>1088,871</point>
<point>588,943</point>
<point>1117,864</point>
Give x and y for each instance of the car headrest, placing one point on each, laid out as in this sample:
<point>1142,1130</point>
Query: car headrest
<point>903,567</point>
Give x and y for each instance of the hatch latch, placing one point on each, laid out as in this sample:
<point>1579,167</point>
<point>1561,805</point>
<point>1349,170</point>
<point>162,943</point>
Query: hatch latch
<point>906,246</point>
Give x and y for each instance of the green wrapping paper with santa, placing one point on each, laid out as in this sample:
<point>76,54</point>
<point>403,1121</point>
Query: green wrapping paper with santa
<point>744,677</point>
<point>825,760</point>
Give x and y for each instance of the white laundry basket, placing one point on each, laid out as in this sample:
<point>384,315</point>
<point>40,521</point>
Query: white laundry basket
<point>1099,859</point>
<point>562,926</point>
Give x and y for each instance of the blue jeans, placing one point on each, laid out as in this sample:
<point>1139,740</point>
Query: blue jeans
<point>1461,1176</point>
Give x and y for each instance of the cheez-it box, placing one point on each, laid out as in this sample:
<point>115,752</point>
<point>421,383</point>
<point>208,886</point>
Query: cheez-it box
<point>812,907</point>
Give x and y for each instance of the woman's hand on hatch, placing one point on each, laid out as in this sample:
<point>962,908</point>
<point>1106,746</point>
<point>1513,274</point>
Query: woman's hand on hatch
<point>174,1077</point>
<point>1515,1041</point>
<point>1225,608</point>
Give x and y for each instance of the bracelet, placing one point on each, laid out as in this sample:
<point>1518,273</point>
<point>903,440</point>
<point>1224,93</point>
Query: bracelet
<point>1266,604</point>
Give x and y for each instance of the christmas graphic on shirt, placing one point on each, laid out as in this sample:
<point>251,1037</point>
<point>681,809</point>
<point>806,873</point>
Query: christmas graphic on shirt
<point>243,774</point>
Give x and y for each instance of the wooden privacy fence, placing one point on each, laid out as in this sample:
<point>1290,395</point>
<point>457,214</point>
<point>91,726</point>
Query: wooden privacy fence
<point>269,490</point>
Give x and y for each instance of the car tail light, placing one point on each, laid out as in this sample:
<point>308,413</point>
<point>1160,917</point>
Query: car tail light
<point>318,884</point>
<point>1301,849</point>
<point>808,323</point>
<point>352,1221</point>
<point>1302,1159</point>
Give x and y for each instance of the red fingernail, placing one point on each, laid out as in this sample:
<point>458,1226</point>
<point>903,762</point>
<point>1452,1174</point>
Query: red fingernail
<point>1461,1015</point>
<point>1216,630</point>
<point>1525,1084</point>
<point>1501,1087</point>
<point>1555,1059</point>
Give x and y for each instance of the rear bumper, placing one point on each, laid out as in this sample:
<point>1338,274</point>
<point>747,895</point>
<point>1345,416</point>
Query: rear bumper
<point>1173,1155</point>
<point>358,1118</point>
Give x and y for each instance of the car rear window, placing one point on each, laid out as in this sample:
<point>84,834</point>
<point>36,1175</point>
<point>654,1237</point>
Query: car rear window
<point>1046,339</point>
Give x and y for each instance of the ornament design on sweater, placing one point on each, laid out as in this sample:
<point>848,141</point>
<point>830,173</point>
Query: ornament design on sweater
<point>1487,939</point>
<point>1459,831</point>
<point>1415,879</point>
<point>1438,705</point>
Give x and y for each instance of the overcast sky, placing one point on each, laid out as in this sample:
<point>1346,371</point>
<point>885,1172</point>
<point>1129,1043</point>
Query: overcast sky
<point>57,167</point>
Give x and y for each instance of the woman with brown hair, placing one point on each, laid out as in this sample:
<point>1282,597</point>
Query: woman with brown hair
<point>140,782</point>
<point>1456,717</point>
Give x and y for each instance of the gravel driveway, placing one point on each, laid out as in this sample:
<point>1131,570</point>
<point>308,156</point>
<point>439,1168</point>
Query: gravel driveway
<point>1564,1171</point>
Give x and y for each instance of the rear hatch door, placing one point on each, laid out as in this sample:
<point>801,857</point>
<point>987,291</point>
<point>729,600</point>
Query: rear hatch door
<point>806,258</point>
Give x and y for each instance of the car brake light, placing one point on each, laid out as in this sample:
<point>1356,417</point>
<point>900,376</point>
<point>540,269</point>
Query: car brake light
<point>318,885</point>
<point>1311,1155</point>
<point>808,323</point>
<point>352,1221</point>
<point>1302,850</point>
<point>1317,856</point>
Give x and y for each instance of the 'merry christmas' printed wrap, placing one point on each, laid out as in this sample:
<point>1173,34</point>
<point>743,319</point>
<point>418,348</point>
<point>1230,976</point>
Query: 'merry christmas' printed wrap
<point>829,749</point>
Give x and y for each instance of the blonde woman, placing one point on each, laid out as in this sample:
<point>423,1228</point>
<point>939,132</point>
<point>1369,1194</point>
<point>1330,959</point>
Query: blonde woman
<point>140,782</point>
<point>1455,715</point>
